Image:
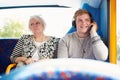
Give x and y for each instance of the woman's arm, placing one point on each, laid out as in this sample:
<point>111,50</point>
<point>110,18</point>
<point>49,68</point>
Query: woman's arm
<point>16,55</point>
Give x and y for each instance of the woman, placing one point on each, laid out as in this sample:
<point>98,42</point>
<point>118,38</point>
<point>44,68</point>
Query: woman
<point>85,42</point>
<point>32,48</point>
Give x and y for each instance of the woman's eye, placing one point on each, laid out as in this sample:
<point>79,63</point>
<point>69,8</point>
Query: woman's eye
<point>31,24</point>
<point>37,23</point>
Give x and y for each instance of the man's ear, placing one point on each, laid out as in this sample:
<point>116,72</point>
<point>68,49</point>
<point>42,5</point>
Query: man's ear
<point>74,23</point>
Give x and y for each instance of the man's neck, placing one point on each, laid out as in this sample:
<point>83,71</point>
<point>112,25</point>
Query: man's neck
<point>83,35</point>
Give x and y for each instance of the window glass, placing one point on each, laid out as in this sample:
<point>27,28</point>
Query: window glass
<point>14,21</point>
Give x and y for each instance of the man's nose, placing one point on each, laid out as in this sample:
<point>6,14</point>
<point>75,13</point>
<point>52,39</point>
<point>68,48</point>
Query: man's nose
<point>83,22</point>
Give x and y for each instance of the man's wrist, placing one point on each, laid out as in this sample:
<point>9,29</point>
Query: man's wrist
<point>93,34</point>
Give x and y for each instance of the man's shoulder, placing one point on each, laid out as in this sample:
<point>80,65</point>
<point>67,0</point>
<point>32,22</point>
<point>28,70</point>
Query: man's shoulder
<point>70,35</point>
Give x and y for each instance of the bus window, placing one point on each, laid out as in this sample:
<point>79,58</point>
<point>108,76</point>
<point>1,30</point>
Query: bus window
<point>14,22</point>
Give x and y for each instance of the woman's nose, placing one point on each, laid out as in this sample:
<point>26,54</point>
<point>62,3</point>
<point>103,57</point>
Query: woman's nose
<point>36,24</point>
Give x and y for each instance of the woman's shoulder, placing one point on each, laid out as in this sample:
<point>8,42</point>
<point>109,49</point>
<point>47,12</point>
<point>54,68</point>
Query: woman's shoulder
<point>53,38</point>
<point>26,36</point>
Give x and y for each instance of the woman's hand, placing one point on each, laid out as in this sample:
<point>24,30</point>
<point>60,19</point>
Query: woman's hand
<point>29,61</point>
<point>20,59</point>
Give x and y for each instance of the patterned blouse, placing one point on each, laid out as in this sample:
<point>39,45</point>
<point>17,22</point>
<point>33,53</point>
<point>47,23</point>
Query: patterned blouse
<point>26,47</point>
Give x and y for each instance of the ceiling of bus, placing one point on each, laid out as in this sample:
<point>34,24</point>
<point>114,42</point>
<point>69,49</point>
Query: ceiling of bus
<point>69,3</point>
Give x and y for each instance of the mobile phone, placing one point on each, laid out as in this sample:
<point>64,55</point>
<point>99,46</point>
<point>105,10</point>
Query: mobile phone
<point>90,27</point>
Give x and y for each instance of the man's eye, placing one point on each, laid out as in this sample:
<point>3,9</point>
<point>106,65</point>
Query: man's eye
<point>79,20</point>
<point>87,20</point>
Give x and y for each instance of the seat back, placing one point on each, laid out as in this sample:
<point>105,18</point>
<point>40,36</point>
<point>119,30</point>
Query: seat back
<point>6,48</point>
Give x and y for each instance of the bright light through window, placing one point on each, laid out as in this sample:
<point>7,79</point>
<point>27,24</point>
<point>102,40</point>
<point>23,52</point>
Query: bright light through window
<point>58,20</point>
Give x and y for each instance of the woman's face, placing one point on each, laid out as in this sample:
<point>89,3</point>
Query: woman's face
<point>83,23</point>
<point>36,26</point>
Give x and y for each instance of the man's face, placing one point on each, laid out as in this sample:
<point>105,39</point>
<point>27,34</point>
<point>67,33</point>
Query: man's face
<point>83,23</point>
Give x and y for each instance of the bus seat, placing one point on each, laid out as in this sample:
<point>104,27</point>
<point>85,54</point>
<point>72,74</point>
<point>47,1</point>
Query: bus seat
<point>6,48</point>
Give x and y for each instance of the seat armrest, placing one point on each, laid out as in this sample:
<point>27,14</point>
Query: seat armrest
<point>9,67</point>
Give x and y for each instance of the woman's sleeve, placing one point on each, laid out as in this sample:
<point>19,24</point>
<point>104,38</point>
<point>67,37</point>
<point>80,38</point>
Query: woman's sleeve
<point>62,49</point>
<point>18,49</point>
<point>100,50</point>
